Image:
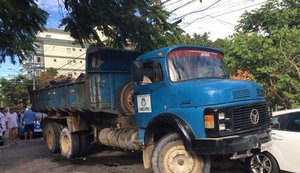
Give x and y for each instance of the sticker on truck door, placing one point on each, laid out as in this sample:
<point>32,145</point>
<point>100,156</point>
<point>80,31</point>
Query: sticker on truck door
<point>144,103</point>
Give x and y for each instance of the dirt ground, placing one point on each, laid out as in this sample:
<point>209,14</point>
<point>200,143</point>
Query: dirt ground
<point>34,157</point>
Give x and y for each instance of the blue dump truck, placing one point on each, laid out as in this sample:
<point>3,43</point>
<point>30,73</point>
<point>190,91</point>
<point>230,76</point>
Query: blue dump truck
<point>176,105</point>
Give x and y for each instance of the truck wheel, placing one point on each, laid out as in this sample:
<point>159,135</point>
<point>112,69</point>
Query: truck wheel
<point>125,99</point>
<point>84,143</point>
<point>69,143</point>
<point>52,132</point>
<point>262,162</point>
<point>170,156</point>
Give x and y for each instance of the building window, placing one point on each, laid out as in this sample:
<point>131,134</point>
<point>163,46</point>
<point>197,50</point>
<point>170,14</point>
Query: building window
<point>48,36</point>
<point>80,62</point>
<point>54,60</point>
<point>80,50</point>
<point>70,74</point>
<point>38,59</point>
<point>74,49</point>
<point>69,50</point>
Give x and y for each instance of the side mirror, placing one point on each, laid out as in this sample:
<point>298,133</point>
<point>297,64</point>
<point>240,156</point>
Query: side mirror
<point>137,71</point>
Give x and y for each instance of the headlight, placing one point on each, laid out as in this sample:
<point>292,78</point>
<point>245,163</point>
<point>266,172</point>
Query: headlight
<point>221,115</point>
<point>222,126</point>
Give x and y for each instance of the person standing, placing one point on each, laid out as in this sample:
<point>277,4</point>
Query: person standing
<point>3,122</point>
<point>12,124</point>
<point>28,119</point>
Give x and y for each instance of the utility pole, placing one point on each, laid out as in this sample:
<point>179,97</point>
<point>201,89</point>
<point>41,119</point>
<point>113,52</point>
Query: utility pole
<point>32,71</point>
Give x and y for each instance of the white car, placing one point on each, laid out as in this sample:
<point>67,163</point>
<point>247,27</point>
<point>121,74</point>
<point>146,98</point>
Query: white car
<point>285,151</point>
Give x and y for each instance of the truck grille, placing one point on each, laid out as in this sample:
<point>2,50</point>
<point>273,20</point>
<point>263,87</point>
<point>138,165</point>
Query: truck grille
<point>242,119</point>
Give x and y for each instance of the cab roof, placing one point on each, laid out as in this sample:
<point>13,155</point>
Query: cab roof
<point>163,52</point>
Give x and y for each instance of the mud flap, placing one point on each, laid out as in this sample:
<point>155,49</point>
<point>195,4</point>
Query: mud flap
<point>147,156</point>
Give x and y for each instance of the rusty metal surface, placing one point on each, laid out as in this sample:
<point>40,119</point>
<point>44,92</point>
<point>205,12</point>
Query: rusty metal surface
<point>124,138</point>
<point>64,98</point>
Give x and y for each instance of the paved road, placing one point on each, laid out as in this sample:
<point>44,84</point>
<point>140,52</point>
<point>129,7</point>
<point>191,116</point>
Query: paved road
<point>34,157</point>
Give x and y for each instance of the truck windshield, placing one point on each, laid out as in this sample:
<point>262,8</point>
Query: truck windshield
<point>193,64</point>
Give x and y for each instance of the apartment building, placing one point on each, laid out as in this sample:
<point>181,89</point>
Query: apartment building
<point>55,48</point>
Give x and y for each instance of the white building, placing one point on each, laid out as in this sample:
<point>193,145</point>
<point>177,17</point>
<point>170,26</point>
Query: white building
<point>56,49</point>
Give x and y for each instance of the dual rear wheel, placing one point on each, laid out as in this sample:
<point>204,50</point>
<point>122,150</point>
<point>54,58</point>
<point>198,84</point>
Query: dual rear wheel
<point>69,144</point>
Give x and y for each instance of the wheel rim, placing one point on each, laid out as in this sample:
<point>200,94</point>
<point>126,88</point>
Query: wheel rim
<point>65,144</point>
<point>178,160</point>
<point>261,164</point>
<point>50,139</point>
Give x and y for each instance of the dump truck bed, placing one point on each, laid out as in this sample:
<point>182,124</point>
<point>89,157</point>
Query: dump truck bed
<point>67,97</point>
<point>107,70</point>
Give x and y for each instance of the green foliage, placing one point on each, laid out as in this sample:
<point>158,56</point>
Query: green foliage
<point>195,39</point>
<point>14,92</point>
<point>268,46</point>
<point>19,23</point>
<point>139,22</point>
<point>52,72</point>
<point>274,14</point>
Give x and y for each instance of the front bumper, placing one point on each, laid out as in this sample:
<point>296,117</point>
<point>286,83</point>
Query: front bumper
<point>230,144</point>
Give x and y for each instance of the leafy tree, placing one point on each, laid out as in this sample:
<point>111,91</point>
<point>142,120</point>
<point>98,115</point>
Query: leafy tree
<point>267,45</point>
<point>45,77</point>
<point>19,23</point>
<point>196,39</point>
<point>14,92</point>
<point>139,22</point>
<point>52,72</point>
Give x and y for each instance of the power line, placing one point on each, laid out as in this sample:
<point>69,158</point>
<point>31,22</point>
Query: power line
<point>197,11</point>
<point>182,6</point>
<point>72,60</point>
<point>201,10</point>
<point>199,19</point>
<point>80,67</point>
<point>165,2</point>
<point>172,3</point>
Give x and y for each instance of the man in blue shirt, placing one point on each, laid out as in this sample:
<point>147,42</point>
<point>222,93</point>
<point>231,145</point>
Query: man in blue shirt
<point>28,119</point>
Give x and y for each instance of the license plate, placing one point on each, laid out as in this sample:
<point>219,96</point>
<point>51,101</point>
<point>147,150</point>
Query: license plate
<point>266,146</point>
<point>37,130</point>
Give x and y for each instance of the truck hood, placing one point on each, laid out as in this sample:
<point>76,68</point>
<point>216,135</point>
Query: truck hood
<point>216,91</point>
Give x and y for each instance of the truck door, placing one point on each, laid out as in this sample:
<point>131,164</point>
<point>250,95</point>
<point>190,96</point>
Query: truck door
<point>149,94</point>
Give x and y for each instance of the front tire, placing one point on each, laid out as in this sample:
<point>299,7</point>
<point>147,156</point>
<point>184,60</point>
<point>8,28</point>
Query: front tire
<point>262,163</point>
<point>170,156</point>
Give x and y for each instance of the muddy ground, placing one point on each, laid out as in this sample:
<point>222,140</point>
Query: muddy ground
<point>34,157</point>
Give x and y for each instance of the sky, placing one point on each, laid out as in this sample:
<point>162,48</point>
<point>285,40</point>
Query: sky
<point>217,17</point>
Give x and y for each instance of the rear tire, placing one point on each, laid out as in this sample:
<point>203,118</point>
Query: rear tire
<point>261,163</point>
<point>125,100</point>
<point>84,143</point>
<point>69,143</point>
<point>52,135</point>
<point>170,156</point>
